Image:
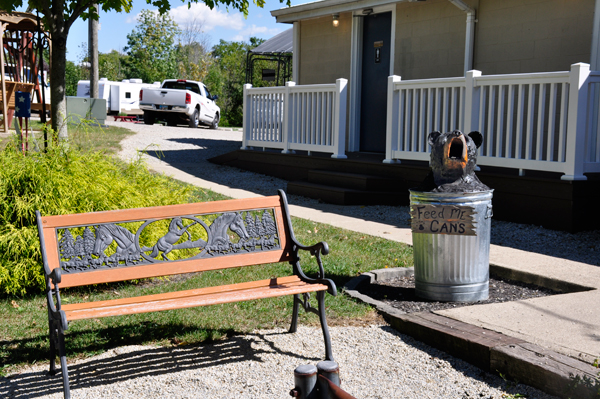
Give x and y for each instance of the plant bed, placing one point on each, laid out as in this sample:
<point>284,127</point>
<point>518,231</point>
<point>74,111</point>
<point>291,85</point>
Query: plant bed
<point>399,292</point>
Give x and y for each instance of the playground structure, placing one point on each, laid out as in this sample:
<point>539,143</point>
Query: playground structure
<point>23,40</point>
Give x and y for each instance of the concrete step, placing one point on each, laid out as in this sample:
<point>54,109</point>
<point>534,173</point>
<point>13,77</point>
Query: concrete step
<point>343,196</point>
<point>356,181</point>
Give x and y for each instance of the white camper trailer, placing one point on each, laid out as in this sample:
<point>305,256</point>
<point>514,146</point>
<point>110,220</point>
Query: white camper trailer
<point>83,90</point>
<point>121,96</point>
<point>125,96</point>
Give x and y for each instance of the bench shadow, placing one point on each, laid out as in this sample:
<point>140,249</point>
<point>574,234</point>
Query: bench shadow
<point>122,365</point>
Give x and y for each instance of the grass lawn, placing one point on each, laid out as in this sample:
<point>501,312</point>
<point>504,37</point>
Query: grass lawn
<point>24,336</point>
<point>81,135</point>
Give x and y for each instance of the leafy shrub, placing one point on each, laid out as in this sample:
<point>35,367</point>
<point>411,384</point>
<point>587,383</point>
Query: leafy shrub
<point>63,181</point>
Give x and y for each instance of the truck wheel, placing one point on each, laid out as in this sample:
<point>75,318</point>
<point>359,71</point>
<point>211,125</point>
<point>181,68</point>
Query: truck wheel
<point>148,118</point>
<point>194,119</point>
<point>215,122</point>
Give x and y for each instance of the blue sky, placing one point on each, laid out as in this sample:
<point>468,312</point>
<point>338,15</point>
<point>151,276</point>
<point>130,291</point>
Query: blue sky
<point>218,23</point>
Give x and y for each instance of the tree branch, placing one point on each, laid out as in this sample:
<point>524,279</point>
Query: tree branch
<point>80,7</point>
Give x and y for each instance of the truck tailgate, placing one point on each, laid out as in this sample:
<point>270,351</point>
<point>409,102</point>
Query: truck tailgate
<point>164,97</point>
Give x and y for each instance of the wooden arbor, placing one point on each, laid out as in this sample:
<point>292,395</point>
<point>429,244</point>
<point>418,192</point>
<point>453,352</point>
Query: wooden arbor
<point>22,40</point>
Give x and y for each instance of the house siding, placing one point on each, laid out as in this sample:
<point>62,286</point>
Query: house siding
<point>519,36</point>
<point>430,40</point>
<point>325,50</point>
<point>511,36</point>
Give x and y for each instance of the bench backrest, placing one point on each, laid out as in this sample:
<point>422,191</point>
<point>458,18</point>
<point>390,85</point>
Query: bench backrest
<point>100,247</point>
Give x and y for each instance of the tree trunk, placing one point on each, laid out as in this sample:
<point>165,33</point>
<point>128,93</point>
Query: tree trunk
<point>58,82</point>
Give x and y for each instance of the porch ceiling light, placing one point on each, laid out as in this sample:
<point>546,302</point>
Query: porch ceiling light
<point>336,20</point>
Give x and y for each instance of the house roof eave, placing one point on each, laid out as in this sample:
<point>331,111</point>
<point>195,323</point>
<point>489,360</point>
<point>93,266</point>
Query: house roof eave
<point>325,7</point>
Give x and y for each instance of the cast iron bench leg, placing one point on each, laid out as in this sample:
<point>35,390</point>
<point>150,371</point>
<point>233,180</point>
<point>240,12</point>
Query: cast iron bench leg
<point>63,364</point>
<point>53,333</point>
<point>326,336</point>
<point>320,312</point>
<point>297,302</point>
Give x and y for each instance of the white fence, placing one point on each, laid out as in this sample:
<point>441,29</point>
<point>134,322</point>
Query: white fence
<point>309,118</point>
<point>538,121</point>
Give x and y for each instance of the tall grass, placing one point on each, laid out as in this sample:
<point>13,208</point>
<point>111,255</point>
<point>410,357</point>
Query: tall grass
<point>61,181</point>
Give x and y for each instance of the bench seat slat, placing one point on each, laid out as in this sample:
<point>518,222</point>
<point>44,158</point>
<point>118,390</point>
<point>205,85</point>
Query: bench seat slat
<point>192,298</point>
<point>182,294</point>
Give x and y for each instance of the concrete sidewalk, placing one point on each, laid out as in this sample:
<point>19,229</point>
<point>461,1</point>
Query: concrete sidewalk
<point>567,324</point>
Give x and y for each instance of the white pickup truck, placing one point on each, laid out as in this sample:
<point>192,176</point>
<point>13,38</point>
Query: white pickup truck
<point>180,100</point>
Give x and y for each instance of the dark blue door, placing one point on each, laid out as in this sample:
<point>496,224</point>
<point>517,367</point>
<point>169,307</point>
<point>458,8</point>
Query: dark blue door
<point>377,30</point>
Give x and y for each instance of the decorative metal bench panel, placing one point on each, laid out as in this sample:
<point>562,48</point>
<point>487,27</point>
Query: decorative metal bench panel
<point>103,247</point>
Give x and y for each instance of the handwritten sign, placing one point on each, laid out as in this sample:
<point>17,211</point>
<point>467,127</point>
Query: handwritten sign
<point>443,219</point>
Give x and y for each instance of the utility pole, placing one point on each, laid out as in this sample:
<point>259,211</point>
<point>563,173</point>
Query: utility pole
<point>93,53</point>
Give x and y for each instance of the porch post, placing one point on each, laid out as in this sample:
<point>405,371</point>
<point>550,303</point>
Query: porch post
<point>576,127</point>
<point>469,41</point>
<point>471,101</point>
<point>595,56</point>
<point>339,119</point>
<point>391,126</point>
<point>470,34</point>
<point>296,52</point>
<point>247,118</point>
<point>287,118</point>
<point>355,75</point>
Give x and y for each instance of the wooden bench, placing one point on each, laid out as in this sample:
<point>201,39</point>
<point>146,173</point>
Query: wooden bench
<point>126,118</point>
<point>104,247</point>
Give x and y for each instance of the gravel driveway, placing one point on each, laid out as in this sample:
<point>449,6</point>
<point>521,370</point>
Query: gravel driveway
<point>375,361</point>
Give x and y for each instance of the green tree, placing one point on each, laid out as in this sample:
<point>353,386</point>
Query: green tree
<point>193,56</point>
<point>151,47</point>
<point>72,76</point>
<point>112,65</point>
<point>58,17</point>
<point>227,77</point>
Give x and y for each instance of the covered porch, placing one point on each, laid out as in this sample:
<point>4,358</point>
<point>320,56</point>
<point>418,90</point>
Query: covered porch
<point>541,150</point>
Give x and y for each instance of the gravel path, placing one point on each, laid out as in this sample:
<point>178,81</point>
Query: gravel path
<point>375,361</point>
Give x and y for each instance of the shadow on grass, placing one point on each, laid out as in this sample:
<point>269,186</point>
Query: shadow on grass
<point>120,364</point>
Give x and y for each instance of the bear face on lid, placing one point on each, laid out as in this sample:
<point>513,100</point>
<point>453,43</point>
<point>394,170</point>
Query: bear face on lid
<point>452,162</point>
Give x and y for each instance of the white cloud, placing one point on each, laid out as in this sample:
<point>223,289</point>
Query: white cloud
<point>217,20</point>
<point>258,31</point>
<point>210,19</point>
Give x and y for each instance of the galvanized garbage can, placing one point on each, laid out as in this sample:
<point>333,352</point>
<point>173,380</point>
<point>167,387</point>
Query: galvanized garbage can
<point>451,243</point>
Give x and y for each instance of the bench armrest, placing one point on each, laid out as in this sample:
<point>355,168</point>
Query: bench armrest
<point>53,279</point>
<point>316,250</point>
<point>55,276</point>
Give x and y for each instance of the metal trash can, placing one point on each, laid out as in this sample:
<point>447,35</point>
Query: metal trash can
<point>451,243</point>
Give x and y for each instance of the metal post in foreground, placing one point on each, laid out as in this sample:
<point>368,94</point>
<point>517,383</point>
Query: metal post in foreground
<point>331,371</point>
<point>305,379</point>
<point>324,385</point>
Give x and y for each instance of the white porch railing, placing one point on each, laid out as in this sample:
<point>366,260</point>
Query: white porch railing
<point>290,117</point>
<point>538,121</point>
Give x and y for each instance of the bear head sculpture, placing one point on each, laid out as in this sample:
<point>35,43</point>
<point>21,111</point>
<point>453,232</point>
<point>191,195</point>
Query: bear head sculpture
<point>452,162</point>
